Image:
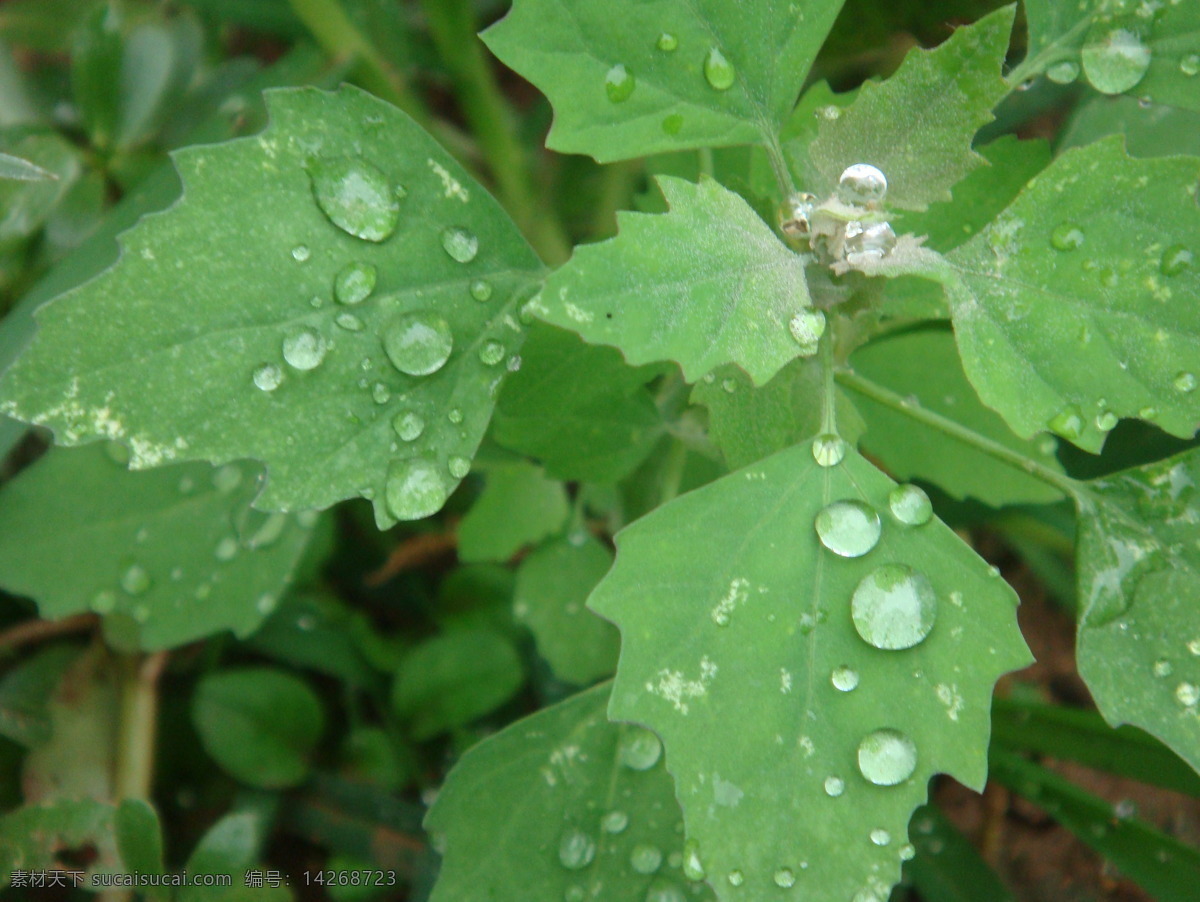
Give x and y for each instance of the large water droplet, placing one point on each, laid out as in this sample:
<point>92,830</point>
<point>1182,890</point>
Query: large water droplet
<point>807,327</point>
<point>460,244</point>
<point>491,353</point>
<point>135,580</point>
<point>848,528</point>
<point>887,757</point>
<point>268,377</point>
<point>354,283</point>
<point>356,196</point>
<point>718,71</point>
<point>1114,58</point>
<point>304,350</point>
<point>667,42</point>
<point>645,859</point>
<point>614,821</point>
<point>785,878</point>
<point>910,505</point>
<point>576,849</point>
<point>619,83</point>
<point>828,449</point>
<point>834,786</point>
<point>874,241</point>
<point>1176,259</point>
<point>844,679</point>
<point>409,425</point>
<point>1066,236</point>
<point>693,866</point>
<point>862,183</point>
<point>1185,382</point>
<point>639,749</point>
<point>415,489</point>
<point>880,837</point>
<point>1068,422</point>
<point>1064,72</point>
<point>894,607</point>
<point>418,343</point>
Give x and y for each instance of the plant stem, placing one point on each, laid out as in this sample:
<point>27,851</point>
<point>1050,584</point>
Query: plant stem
<point>31,631</point>
<point>1015,459</point>
<point>139,677</point>
<point>828,398</point>
<point>452,24</point>
<point>783,175</point>
<point>673,470</point>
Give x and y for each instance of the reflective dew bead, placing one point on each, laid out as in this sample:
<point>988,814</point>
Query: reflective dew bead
<point>862,183</point>
<point>619,83</point>
<point>718,71</point>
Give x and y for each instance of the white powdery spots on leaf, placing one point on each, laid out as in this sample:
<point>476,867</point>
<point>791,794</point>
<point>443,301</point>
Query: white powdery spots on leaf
<point>951,698</point>
<point>577,313</point>
<point>739,591</point>
<point>451,187</point>
<point>676,689</point>
<point>726,793</point>
<point>785,680</point>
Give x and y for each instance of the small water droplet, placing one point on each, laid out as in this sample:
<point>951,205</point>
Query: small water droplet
<point>693,867</point>
<point>672,124</point>
<point>415,489</point>
<point>104,601</point>
<point>718,71</point>
<point>894,607</point>
<point>301,253</point>
<point>645,859</point>
<point>460,244</point>
<point>862,183</point>
<point>576,849</point>
<point>1162,668</point>
<point>848,528</point>
<point>844,678</point>
<point>1063,73</point>
<point>614,821</point>
<point>135,580</point>
<point>1114,58</point>
<point>356,196</point>
<point>380,393</point>
<point>910,505</point>
<point>619,83</point>
<point>1187,694</point>
<point>667,42</point>
<point>834,786</point>
<point>880,837</point>
<point>736,877</point>
<point>907,852</point>
<point>459,467</point>
<point>268,377</point>
<point>1190,64</point>
<point>418,343</point>
<point>349,322</point>
<point>807,327</point>
<point>491,353</point>
<point>639,748</point>
<point>227,478</point>
<point>1185,382</point>
<point>887,757</point>
<point>574,894</point>
<point>1068,422</point>
<point>1124,809</point>
<point>785,878</point>
<point>1106,421</point>
<point>1148,413</point>
<point>663,890</point>
<point>828,449</point>
<point>227,549</point>
<point>1176,259</point>
<point>481,290</point>
<point>304,350</point>
<point>1193,647</point>
<point>1066,236</point>
<point>408,425</point>
<point>354,283</point>
<point>455,416</point>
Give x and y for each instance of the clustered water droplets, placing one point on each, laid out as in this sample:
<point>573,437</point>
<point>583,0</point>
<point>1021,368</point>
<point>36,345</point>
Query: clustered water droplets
<point>848,229</point>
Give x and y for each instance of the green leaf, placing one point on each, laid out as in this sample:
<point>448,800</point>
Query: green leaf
<point>627,79</point>
<point>737,633</point>
<point>705,284</point>
<point>553,584</point>
<point>1070,309</point>
<point>316,632</point>
<point>32,837</point>
<point>519,506</point>
<point>179,550</point>
<point>261,725</point>
<point>26,691</point>
<point>1149,50</point>
<point>924,365</point>
<point>139,837</point>
<point>562,805</point>
<point>578,408</point>
<point>918,125</point>
<point>1155,131</point>
<point>26,205</point>
<point>451,680</point>
<point>947,867</point>
<point>95,72</point>
<point>1138,646</point>
<point>230,846</point>
<point>264,259</point>
<point>21,170</point>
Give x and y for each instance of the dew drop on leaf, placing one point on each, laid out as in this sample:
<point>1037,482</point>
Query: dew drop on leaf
<point>844,679</point>
<point>354,283</point>
<point>355,196</point>
<point>459,467</point>
<point>887,757</point>
<point>718,71</point>
<point>729,386</point>
<point>639,748</point>
<point>1068,422</point>
<point>907,852</point>
<point>380,393</point>
<point>1176,259</point>
<point>874,241</point>
<point>614,821</point>
<point>880,837</point>
<point>834,786</point>
<point>619,83</point>
<point>1063,73</point>
<point>662,890</point>
<point>461,244</point>
<point>301,253</point>
<point>894,607</point>
<point>1114,58</point>
<point>848,528</point>
<point>268,377</point>
<point>693,866</point>
<point>408,425</point>
<point>828,449</point>
<point>576,849</point>
<point>491,353</point>
<point>418,343</point>
<point>481,290</point>
<point>1066,236</point>
<point>736,877</point>
<point>103,602</point>
<point>304,350</point>
<point>1185,382</point>
<point>645,859</point>
<point>1106,421</point>
<point>349,322</point>
<point>574,894</point>
<point>135,580</point>
<point>1162,668</point>
<point>807,327</point>
<point>784,878</point>
<point>862,183</point>
<point>455,416</point>
<point>1190,64</point>
<point>667,42</point>
<point>227,549</point>
<point>910,505</point>
<point>673,124</point>
<point>1188,694</point>
<point>227,478</point>
<point>415,489</point>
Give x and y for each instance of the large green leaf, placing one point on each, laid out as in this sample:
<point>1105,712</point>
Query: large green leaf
<point>1154,131</point>
<point>918,125</point>
<point>1139,576</point>
<point>1151,50</point>
<point>1073,307</point>
<point>177,551</point>
<point>799,747</point>
<point>519,506</point>
<point>628,78</point>
<point>563,805</point>
<point>175,351</point>
<point>706,284</point>
<point>32,837</point>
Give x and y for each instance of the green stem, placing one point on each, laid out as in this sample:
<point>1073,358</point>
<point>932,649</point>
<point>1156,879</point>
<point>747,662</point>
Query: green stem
<point>828,396</point>
<point>452,24</point>
<point>783,175</point>
<point>990,447</point>
<point>136,732</point>
<point>673,470</point>
<point>616,187</point>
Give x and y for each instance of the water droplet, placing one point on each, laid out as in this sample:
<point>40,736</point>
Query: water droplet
<point>910,505</point>
<point>718,71</point>
<point>1068,422</point>
<point>574,894</point>
<point>828,449</point>
<point>354,283</point>
<point>455,416</point>
<point>848,528</point>
<point>459,467</point>
<point>418,343</point>
<point>227,549</point>
<point>1106,421</point>
<point>807,327</point>
<point>268,377</point>
<point>662,890</point>
<point>481,290</point>
<point>1193,646</point>
<point>862,183</point>
<point>1063,73</point>
<point>103,602</point>
<point>639,749</point>
<point>1124,809</point>
<point>834,786</point>
<point>135,580</point>
<point>874,241</point>
<point>785,878</point>
<point>645,859</point>
<point>460,244</point>
<point>301,253</point>
<point>673,124</point>
<point>349,322</point>
<point>1148,413</point>
<point>356,196</point>
<point>1114,58</point>
<point>576,849</point>
<point>894,607</point>
<point>305,350</point>
<point>667,42</point>
<point>381,393</point>
<point>415,489</point>
<point>614,822</point>
<point>491,353</point>
<point>693,867</point>
<point>729,386</point>
<point>907,852</point>
<point>880,837</point>
<point>409,425</point>
<point>1190,64</point>
<point>1185,382</point>
<point>736,877</point>
<point>844,678</point>
<point>887,757</point>
<point>227,478</point>
<point>1176,259</point>
<point>619,83</point>
<point>795,214</point>
<point>1188,694</point>
<point>1066,237</point>
<point>1162,669</point>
